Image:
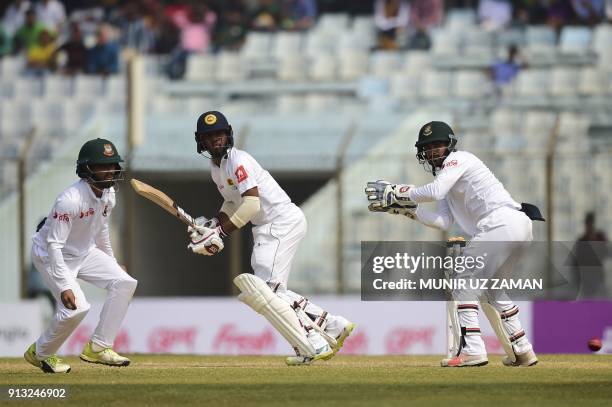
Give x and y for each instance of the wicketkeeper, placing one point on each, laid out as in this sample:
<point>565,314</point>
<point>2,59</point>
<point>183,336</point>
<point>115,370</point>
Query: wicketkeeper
<point>468,193</point>
<point>250,194</point>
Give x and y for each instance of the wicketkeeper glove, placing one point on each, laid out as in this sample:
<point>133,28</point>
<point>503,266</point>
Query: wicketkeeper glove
<point>391,198</point>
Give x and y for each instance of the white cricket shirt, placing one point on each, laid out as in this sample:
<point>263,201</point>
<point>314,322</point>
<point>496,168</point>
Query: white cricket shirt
<point>78,222</point>
<point>467,190</point>
<point>238,173</point>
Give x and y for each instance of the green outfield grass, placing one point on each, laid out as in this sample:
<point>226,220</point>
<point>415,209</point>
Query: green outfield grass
<point>344,381</point>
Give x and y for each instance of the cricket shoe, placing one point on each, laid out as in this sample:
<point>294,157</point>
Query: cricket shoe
<point>528,358</point>
<point>464,360</point>
<point>105,356</point>
<point>346,332</point>
<point>322,351</point>
<point>52,364</point>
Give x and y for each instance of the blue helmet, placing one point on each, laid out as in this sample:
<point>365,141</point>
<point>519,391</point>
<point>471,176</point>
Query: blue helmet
<point>213,121</point>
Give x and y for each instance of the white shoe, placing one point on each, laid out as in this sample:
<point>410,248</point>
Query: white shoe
<point>528,358</point>
<point>322,351</point>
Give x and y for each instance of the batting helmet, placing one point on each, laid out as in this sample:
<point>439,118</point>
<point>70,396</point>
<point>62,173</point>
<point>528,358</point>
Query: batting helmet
<point>97,151</point>
<point>209,122</point>
<point>433,132</point>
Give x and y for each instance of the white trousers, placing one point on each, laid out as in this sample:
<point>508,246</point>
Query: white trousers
<point>512,227</point>
<point>96,268</point>
<point>275,245</point>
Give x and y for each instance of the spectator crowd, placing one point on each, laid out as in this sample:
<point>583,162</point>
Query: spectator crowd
<point>94,36</point>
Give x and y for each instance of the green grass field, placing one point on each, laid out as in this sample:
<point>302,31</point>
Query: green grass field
<point>344,381</point>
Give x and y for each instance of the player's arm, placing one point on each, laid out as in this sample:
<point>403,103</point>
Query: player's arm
<point>445,180</point>
<point>60,224</point>
<point>247,210</point>
<point>441,219</point>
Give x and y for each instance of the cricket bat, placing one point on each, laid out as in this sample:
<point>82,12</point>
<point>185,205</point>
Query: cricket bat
<point>163,200</point>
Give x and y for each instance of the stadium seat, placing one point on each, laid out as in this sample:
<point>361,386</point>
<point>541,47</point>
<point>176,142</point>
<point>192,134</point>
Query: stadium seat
<point>602,38</point>
<point>460,19</point>
<point>200,67</point>
<point>593,81</point>
<point>352,63</point>
<point>575,39</point>
<point>230,67</point>
<point>537,128</point>
<point>290,103</point>
<point>405,86</point>
<point>115,88</point>
<point>11,67</point>
<point>286,43</point>
<point>564,81</point>
<point>25,88</point>
<point>333,22</point>
<point>511,37</point>
<point>533,83</point>
<point>436,84</point>
<point>540,35</point>
<point>445,43</point>
<point>416,62</point>
<point>317,43</point>
<point>291,67</point>
<point>471,84</point>
<point>322,67</point>
<point>257,45</point>
<point>87,87</point>
<point>57,87</point>
<point>383,63</point>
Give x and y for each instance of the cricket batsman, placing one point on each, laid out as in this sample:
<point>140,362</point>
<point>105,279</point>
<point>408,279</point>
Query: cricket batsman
<point>468,193</point>
<point>74,242</point>
<point>250,194</point>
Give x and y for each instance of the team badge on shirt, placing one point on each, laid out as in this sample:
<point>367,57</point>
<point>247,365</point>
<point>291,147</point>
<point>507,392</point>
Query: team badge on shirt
<point>241,174</point>
<point>230,182</point>
<point>108,150</point>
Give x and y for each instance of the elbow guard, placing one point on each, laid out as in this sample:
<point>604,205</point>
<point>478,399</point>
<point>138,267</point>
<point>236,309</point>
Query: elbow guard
<point>246,211</point>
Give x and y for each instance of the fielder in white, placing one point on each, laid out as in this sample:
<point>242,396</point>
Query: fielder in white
<point>74,242</point>
<point>250,194</point>
<point>468,193</point>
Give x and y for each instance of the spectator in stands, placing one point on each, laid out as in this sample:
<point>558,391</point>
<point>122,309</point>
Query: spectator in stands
<point>51,14</point>
<point>391,19</point>
<point>589,258</point>
<point>88,20</point>
<point>426,13</point>
<point>5,42</point>
<point>74,51</point>
<point>266,16</point>
<point>503,72</point>
<point>560,13</point>
<point>103,58</point>
<point>231,28</point>
<point>196,25</point>
<point>589,12</point>
<point>27,35</point>
<point>14,17</point>
<point>135,34</point>
<point>168,37</point>
<point>419,40</point>
<point>40,55</point>
<point>494,14</point>
<point>298,15</point>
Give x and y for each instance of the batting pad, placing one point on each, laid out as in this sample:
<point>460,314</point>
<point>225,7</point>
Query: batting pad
<point>497,325</point>
<point>256,294</point>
